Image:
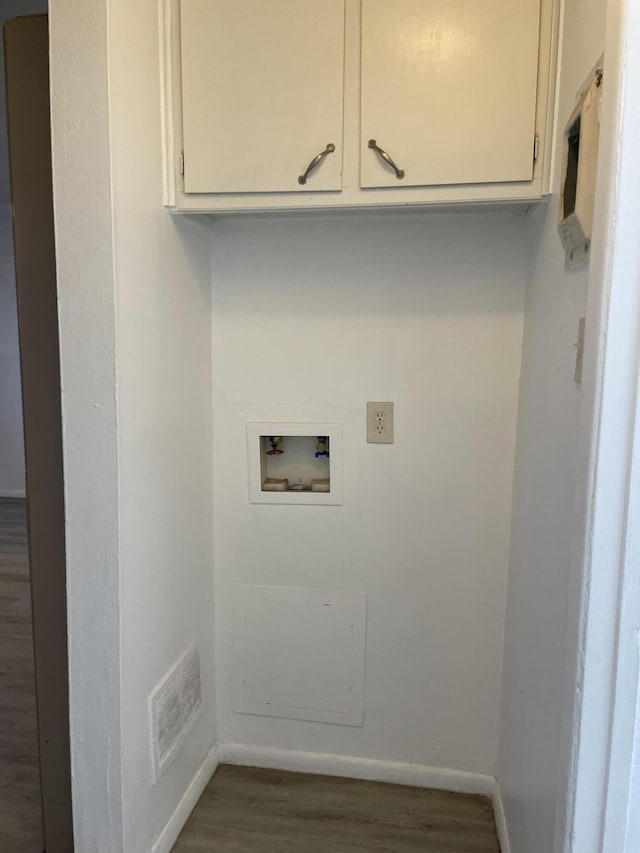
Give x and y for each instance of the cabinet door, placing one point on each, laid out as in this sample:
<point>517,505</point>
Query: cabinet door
<point>448,90</point>
<point>262,94</point>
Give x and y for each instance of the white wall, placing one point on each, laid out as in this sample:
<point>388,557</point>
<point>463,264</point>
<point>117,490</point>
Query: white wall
<point>312,317</point>
<point>11,438</point>
<point>602,800</point>
<point>543,598</point>
<point>163,299</point>
<point>86,313</point>
<point>135,316</point>
<point>632,830</point>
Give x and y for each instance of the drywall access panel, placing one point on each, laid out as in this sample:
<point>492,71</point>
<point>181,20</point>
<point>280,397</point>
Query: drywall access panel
<point>287,105</point>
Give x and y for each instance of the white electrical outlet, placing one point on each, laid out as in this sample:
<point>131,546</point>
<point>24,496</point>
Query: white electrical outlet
<point>380,423</point>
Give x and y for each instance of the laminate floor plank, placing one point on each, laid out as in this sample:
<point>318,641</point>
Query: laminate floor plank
<point>20,811</point>
<point>250,810</point>
<point>14,555</point>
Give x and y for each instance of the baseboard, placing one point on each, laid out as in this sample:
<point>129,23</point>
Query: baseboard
<point>399,773</point>
<point>419,775</point>
<point>501,820</point>
<point>170,833</point>
<point>12,493</point>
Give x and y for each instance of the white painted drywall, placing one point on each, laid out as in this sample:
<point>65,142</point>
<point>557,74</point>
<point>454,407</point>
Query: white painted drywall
<point>543,597</point>
<point>86,311</point>
<point>163,332</point>
<point>632,830</point>
<point>312,317</point>
<point>609,665</point>
<point>135,316</point>
<point>11,437</point>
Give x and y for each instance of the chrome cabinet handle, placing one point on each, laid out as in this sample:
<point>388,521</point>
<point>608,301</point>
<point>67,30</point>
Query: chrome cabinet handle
<point>374,145</point>
<point>316,162</point>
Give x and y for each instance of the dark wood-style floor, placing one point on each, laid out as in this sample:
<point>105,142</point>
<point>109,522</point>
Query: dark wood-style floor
<point>20,817</point>
<point>247,810</point>
<point>14,555</point>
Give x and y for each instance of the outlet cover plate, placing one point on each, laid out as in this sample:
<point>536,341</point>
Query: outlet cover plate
<point>380,423</point>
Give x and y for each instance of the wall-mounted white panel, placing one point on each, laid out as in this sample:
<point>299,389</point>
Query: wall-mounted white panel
<point>299,653</point>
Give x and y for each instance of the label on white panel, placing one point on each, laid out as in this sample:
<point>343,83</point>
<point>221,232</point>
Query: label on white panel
<point>299,653</point>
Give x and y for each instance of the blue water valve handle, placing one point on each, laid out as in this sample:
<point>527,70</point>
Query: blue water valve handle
<point>322,447</point>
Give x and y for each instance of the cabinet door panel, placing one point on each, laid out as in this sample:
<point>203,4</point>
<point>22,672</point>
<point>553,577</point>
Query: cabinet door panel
<point>449,90</point>
<point>262,90</point>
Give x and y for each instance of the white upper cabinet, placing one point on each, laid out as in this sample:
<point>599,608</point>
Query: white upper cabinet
<point>262,95</point>
<point>448,91</point>
<point>299,104</point>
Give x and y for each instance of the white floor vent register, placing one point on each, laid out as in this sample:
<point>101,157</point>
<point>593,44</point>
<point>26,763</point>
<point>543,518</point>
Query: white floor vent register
<point>174,706</point>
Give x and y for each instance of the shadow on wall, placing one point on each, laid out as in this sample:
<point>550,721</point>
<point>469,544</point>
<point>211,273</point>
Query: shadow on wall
<point>366,265</point>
